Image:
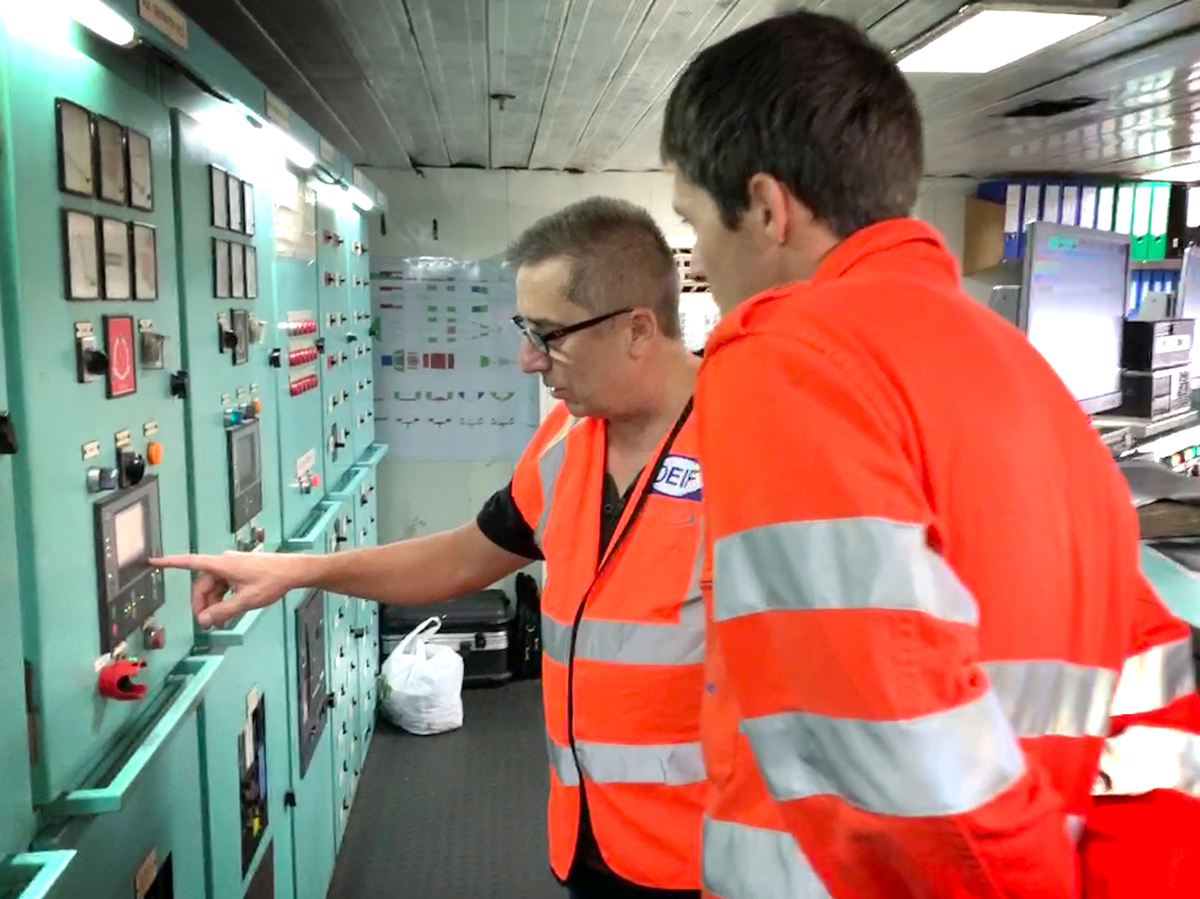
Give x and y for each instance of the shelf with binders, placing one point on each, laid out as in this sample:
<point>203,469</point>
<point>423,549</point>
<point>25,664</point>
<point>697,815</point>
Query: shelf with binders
<point>1156,215</point>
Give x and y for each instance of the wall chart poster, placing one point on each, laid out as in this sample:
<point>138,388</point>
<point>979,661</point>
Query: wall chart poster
<point>447,383</point>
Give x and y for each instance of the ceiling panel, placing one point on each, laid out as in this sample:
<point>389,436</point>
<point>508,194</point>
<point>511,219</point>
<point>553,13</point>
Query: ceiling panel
<point>581,84</point>
<point>524,37</point>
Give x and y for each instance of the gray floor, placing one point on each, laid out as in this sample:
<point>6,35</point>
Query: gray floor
<point>454,816</point>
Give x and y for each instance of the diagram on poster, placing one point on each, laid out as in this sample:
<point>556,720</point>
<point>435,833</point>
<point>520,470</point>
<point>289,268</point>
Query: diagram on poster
<point>448,386</point>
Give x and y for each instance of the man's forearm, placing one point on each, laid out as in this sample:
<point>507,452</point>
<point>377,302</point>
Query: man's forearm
<point>410,572</point>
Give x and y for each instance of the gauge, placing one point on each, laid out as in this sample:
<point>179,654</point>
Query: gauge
<point>76,165</point>
<point>141,171</point>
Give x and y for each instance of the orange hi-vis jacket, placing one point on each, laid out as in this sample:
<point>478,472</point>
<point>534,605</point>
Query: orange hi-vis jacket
<point>622,650</point>
<point>928,629</point>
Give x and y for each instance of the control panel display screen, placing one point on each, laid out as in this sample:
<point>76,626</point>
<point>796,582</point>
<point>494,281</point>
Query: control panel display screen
<point>245,473</point>
<point>129,531</point>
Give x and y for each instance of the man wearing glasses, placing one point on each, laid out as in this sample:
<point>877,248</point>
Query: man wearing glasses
<point>608,493</point>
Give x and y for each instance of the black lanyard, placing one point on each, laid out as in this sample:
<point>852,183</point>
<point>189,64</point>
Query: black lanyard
<point>640,501</point>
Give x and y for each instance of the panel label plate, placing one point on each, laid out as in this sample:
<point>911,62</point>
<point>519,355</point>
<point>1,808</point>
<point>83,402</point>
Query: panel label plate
<point>166,18</point>
<point>276,111</point>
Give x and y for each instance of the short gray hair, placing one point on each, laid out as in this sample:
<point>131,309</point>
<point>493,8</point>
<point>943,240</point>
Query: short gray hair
<point>617,253</point>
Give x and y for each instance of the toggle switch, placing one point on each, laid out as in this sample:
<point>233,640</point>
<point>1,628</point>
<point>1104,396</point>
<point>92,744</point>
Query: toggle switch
<point>99,479</point>
<point>116,680</point>
<point>153,350</point>
<point>154,636</point>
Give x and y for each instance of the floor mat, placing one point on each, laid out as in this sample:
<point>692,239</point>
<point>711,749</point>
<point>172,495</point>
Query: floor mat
<point>454,816</point>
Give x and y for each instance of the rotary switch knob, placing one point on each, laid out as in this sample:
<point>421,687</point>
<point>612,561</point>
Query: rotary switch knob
<point>132,467</point>
<point>95,362</point>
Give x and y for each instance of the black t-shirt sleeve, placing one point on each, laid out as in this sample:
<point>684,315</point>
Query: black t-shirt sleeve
<point>502,523</point>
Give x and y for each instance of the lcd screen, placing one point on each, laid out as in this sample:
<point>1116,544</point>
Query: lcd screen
<point>245,460</point>
<point>129,533</point>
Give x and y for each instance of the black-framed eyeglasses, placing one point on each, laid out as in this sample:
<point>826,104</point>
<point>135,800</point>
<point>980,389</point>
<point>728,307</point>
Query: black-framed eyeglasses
<point>541,340</point>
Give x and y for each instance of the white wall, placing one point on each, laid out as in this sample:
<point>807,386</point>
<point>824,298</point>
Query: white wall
<point>478,214</point>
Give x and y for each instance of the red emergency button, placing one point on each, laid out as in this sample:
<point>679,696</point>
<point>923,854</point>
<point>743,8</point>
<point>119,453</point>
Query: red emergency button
<point>315,480</point>
<point>116,680</point>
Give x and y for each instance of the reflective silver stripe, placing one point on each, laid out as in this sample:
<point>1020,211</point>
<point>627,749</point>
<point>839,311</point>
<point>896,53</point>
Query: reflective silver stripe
<point>740,862</point>
<point>1141,759</point>
<point>549,465</point>
<point>563,763</point>
<point>1155,678</point>
<point>1075,825</point>
<point>941,764</point>
<point>626,643</point>
<point>671,764</point>
<point>849,563</point>
<point>1041,698</point>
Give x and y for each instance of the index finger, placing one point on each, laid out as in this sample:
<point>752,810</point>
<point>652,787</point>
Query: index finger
<point>190,561</point>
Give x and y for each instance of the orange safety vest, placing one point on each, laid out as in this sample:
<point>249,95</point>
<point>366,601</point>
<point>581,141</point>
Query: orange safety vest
<point>928,632</point>
<point>622,650</point>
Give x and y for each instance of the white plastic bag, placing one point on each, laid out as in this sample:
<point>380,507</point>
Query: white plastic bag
<point>421,683</point>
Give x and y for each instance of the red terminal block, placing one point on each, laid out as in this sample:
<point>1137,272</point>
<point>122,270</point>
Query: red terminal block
<point>303,385</point>
<point>303,326</point>
<point>116,680</point>
<point>302,356</point>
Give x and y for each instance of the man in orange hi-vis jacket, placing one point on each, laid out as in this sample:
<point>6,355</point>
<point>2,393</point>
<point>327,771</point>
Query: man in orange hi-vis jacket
<point>933,666</point>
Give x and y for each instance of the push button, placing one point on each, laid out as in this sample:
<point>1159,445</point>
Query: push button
<point>154,453</point>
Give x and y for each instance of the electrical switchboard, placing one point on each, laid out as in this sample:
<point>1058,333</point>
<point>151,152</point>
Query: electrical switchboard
<point>89,280</point>
<point>333,214</point>
<point>16,810</point>
<point>362,359</point>
<point>229,337</point>
<point>300,357</point>
<point>168,314</point>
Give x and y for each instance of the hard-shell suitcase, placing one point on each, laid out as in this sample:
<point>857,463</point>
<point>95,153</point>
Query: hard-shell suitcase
<point>476,625</point>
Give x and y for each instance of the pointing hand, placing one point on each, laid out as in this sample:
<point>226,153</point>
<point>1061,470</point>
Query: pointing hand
<point>255,580</point>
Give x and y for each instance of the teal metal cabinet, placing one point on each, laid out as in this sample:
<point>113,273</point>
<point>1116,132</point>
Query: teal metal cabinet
<point>16,809</point>
<point>337,330</point>
<point>89,290</point>
<point>312,713</point>
<point>140,820</point>
<point>245,730</point>
<point>230,335</point>
<point>299,392</point>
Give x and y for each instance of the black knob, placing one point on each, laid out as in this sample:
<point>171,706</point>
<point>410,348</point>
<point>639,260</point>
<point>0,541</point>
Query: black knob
<point>133,468</point>
<point>179,385</point>
<point>276,358</point>
<point>95,362</point>
<point>8,435</point>
<point>351,338</point>
<point>229,340</point>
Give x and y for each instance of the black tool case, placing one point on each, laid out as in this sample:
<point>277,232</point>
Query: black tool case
<point>476,625</point>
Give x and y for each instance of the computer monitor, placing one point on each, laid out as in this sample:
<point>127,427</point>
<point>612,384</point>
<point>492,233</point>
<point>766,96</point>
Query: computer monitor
<point>1074,292</point>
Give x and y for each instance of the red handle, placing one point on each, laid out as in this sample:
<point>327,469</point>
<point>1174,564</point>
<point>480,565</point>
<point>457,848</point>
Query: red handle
<point>116,680</point>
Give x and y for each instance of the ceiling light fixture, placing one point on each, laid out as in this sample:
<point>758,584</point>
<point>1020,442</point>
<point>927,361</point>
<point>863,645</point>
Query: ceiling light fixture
<point>97,17</point>
<point>1185,173</point>
<point>360,199</point>
<point>986,39</point>
<point>297,153</point>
